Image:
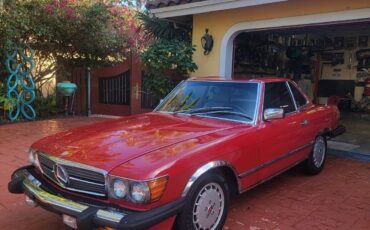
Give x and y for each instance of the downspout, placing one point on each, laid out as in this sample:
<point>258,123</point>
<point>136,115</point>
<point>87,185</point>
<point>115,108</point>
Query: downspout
<point>88,91</point>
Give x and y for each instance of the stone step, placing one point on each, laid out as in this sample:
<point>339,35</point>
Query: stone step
<point>347,150</point>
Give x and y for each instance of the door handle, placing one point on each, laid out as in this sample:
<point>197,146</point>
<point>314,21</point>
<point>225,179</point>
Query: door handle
<point>305,122</point>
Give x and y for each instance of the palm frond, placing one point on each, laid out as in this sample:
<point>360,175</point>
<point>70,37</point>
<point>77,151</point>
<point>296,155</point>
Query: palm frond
<point>164,29</point>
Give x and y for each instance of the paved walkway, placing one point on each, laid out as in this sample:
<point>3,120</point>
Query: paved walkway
<point>355,142</point>
<point>338,198</point>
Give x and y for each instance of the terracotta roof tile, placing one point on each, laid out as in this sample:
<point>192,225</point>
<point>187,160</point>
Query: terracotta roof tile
<point>164,3</point>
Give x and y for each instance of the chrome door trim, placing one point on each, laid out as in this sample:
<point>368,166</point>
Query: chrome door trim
<point>272,176</point>
<point>291,95</point>
<point>258,105</point>
<point>282,157</point>
<point>295,85</point>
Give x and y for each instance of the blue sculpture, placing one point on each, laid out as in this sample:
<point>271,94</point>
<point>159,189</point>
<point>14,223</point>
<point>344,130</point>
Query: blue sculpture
<point>21,87</point>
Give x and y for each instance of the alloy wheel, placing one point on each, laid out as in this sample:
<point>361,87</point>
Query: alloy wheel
<point>208,207</point>
<point>319,151</point>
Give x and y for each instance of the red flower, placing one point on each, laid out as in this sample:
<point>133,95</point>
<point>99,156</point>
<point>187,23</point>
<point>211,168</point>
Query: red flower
<point>48,8</point>
<point>133,27</point>
<point>113,10</point>
<point>69,12</point>
<point>63,4</point>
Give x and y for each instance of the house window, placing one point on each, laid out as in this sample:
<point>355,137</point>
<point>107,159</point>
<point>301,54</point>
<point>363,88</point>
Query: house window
<point>115,90</point>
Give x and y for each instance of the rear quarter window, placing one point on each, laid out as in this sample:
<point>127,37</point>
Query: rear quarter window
<point>298,96</point>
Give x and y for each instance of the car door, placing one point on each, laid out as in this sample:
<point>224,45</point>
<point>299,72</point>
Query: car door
<point>306,117</point>
<point>279,138</point>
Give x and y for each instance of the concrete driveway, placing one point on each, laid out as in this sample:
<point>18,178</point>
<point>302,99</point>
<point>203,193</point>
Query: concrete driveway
<point>338,198</point>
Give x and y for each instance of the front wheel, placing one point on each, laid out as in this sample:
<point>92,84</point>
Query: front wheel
<point>207,204</point>
<point>316,161</point>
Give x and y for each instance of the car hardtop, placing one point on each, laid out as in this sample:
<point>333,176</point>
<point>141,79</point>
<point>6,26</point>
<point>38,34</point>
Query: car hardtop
<point>254,80</point>
<point>267,79</point>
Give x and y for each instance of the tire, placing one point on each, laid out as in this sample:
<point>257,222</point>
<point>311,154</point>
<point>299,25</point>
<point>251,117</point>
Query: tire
<point>316,161</point>
<point>207,204</point>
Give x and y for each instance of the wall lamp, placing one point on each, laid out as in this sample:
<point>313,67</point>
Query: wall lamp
<point>207,43</point>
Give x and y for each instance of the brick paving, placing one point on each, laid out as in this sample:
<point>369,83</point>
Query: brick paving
<point>338,198</point>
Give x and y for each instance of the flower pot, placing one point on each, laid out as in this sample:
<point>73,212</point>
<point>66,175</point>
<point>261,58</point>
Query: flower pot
<point>66,88</point>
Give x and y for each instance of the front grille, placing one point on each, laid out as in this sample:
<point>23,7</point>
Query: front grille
<point>79,178</point>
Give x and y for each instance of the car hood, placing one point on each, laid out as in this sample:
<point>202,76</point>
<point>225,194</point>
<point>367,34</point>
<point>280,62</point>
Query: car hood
<point>108,144</point>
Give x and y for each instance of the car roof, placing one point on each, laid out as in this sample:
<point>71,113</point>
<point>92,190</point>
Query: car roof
<point>258,80</point>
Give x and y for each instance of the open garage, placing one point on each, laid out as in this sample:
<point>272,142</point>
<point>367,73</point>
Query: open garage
<point>329,62</point>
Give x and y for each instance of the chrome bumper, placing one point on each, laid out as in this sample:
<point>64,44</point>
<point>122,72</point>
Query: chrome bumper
<point>47,198</point>
<point>30,184</point>
<point>87,216</point>
<point>32,188</point>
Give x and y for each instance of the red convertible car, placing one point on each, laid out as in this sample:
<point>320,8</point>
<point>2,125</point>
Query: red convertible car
<point>178,166</point>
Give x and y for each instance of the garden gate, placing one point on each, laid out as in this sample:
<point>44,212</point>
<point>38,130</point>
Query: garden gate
<point>115,90</point>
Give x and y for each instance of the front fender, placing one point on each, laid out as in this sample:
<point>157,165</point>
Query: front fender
<point>206,168</point>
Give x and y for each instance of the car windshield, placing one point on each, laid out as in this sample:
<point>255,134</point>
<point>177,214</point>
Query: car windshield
<point>223,100</point>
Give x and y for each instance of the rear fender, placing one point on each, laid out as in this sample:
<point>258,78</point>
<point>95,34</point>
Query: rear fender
<point>325,132</point>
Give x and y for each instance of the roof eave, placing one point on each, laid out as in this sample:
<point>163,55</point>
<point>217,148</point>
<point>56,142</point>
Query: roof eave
<point>206,6</point>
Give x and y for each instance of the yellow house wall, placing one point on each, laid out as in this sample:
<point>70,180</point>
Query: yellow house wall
<point>219,22</point>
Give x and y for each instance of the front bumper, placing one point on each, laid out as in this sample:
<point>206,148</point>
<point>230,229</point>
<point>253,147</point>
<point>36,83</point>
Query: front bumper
<point>88,216</point>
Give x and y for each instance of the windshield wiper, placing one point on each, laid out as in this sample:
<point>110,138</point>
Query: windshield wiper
<point>204,110</point>
<point>229,112</point>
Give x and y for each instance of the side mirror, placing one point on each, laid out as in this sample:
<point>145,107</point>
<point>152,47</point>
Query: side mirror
<point>272,114</point>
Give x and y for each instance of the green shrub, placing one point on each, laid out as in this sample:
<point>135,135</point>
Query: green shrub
<point>45,106</point>
<point>173,55</point>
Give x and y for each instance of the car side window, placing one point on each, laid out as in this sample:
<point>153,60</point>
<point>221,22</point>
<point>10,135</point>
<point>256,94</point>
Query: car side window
<point>299,98</point>
<point>277,95</point>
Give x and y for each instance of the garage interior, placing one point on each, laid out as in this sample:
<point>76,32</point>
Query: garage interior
<point>331,63</point>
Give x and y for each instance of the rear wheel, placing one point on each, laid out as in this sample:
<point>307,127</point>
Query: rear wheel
<point>316,161</point>
<point>207,204</point>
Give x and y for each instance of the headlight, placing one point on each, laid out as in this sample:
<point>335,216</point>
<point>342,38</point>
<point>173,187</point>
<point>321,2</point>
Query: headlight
<point>140,192</point>
<point>119,188</point>
<point>137,191</point>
